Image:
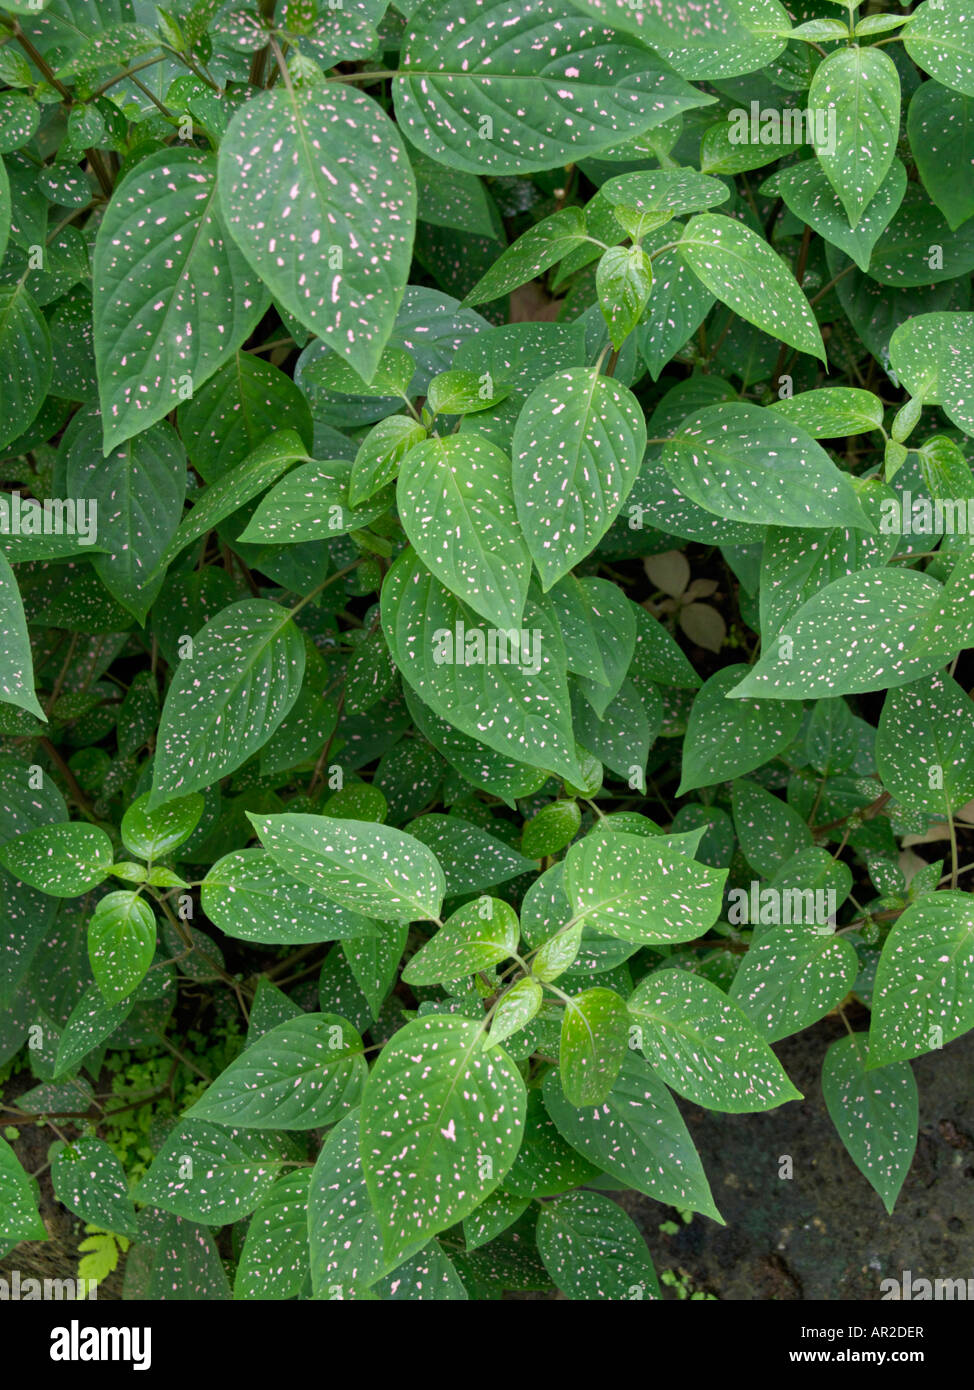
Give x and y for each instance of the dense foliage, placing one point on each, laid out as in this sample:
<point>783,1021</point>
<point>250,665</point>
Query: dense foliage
<point>484,561</point>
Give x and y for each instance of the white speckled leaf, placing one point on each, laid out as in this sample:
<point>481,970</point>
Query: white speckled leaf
<point>679,304</point>
<point>871,630</point>
<point>578,447</point>
<point>855,95</point>
<point>941,130</point>
<point>16,661</point>
<point>554,86</point>
<point>121,943</point>
<point>471,859</point>
<point>933,357</point>
<point>925,745</point>
<point>207,1173</point>
<point>155,834</point>
<point>442,1120</point>
<point>876,1114</point>
<point>274,1260</point>
<point>173,296</point>
<point>91,1182</point>
<point>227,699</point>
<point>924,992</point>
<point>834,412</point>
<point>250,896</point>
<point>302,174</point>
<point>520,710</point>
<point>19,1217</point>
<point>481,766</point>
<point>705,1047</point>
<point>638,1136</point>
<point>478,935</point>
<point>26,363</point>
<point>535,251</point>
<point>902,257</point>
<point>938,38</point>
<point>91,1021</point>
<point>594,1250</point>
<point>303,1074</point>
<point>374,960</point>
<point>139,490</point>
<point>793,976</point>
<point>748,464</point>
<point>641,889</point>
<point>310,504</point>
<point>709,38</point>
<point>370,868</point>
<point>456,505</point>
<point>808,193</point>
<point>594,1040</point>
<point>747,275</point>
<point>62,860</point>
<point>769,829</point>
<point>726,738</point>
<point>796,564</point>
<point>515,1010</point>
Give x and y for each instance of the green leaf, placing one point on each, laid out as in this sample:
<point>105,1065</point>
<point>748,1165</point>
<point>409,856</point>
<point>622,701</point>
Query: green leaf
<point>594,1040</point>
<point>230,415</point>
<point>478,935</point>
<point>856,93</point>
<point>743,271</point>
<point>923,997</point>
<point>726,738</point>
<point>173,296</point>
<point>637,1136</point>
<point>554,827</point>
<point>274,1260</point>
<point>791,977</point>
<point>380,454</point>
<point>456,505</point>
<point>19,1217</point>
<point>577,450</point>
<point>473,91</point>
<point>876,1113</point>
<point>834,412</point>
<point>228,493</point>
<point>311,503</point>
<point>593,1250</point>
<point>442,1120</point>
<point>925,745</point>
<point>250,896</point>
<point>807,193</point>
<point>769,830</point>
<point>62,860</point>
<point>90,1181</point>
<point>515,1010</point>
<point>318,193</point>
<point>509,694</point>
<point>939,40</point>
<point>369,868</point>
<point>642,889</point>
<point>155,834</point>
<point>302,1074</point>
<point>941,131</point>
<point>746,463</point>
<point>933,357</point>
<point>919,249</point>
<point>718,38</point>
<point>17,671</point>
<point>676,191</point>
<point>26,361</point>
<point>869,630</point>
<point>703,1046</point>
<point>534,252</point>
<point>208,1173</point>
<point>374,960</point>
<point>623,281</point>
<point>121,943</point>
<point>228,697</point>
<point>460,392</point>
<point>91,1021</point>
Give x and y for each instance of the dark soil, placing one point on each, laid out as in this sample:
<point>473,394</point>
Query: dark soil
<point>824,1234</point>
